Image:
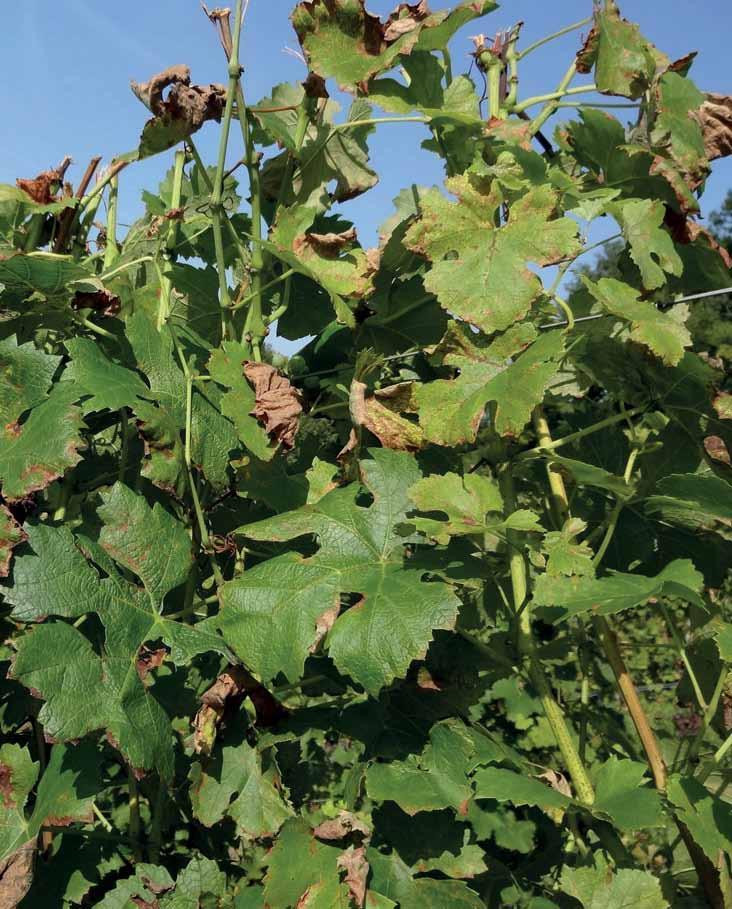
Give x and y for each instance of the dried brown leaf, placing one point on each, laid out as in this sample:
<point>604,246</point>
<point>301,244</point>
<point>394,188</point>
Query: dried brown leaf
<point>40,188</point>
<point>340,827</point>
<point>717,450</point>
<point>16,875</point>
<point>715,118</point>
<point>328,245</point>
<point>148,659</point>
<point>101,301</point>
<point>353,862</point>
<point>277,403</point>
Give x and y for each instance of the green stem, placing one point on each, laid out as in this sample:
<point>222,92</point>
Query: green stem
<point>217,209</point>
<point>124,433</point>
<point>156,826</point>
<point>447,61</point>
<point>558,34</point>
<point>555,95</point>
<point>550,108</point>
<point>592,105</point>
<point>254,328</point>
<point>120,268</point>
<point>166,284</point>
<point>135,826</point>
<point>681,651</point>
<point>707,717</point>
<point>111,251</point>
<point>552,710</point>
<point>580,434</point>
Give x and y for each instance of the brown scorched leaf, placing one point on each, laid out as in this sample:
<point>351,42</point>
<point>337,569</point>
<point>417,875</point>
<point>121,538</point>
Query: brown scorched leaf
<point>16,875</point>
<point>380,413</point>
<point>715,118</point>
<point>277,403</point>
<point>43,188</point>
<point>184,111</point>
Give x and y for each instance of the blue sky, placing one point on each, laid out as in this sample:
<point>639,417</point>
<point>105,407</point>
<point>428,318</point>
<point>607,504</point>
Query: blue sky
<point>66,67</point>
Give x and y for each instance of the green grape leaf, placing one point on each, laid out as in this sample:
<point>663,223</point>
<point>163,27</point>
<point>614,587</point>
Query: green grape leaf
<point>394,883</point>
<point>696,500</point>
<point>604,596</point>
<point>31,457</point>
<point>213,436</point>
<point>107,385</point>
<point>147,541</point>
<point>620,793</point>
<point>624,61</point>
<point>300,867</point>
<point>565,555</point>
<point>465,500</point>
<point>651,247</point>
<point>232,784</point>
<point>508,786</point>
<point>59,663</point>
<point>676,132</point>
<point>626,888</point>
<point>661,332</point>
<point>27,374</point>
<point>25,273</point>
<point>343,40</point>
<point>707,816</point>
<point>435,779</point>
<point>147,885</point>
<point>479,271</point>
<point>451,410</point>
<point>392,624</point>
<point>201,878</point>
<point>64,796</point>
<point>226,368</point>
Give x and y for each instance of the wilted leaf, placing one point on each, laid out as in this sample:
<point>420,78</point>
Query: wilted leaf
<point>277,403</point>
<point>184,111</point>
<point>715,116</point>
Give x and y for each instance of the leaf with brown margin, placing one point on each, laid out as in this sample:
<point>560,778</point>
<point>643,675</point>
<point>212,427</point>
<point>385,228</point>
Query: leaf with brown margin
<point>341,39</point>
<point>181,114</point>
<point>16,875</point>
<point>717,450</point>
<point>380,414</point>
<point>31,457</point>
<point>480,271</point>
<point>101,301</point>
<point>715,117</point>
<point>277,402</point>
<point>11,535</point>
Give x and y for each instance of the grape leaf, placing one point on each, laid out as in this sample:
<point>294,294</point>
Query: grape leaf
<point>341,39</point>
<point>107,385</point>
<point>375,640</point>
<point>661,332</point>
<point>604,596</point>
<point>696,500</point>
<point>148,541</point>
<point>301,867</point>
<point>626,888</point>
<point>394,883</point>
<point>624,61</point>
<point>64,796</point>
<point>707,816</point>
<point>11,534</point>
<point>27,374</point>
<point>479,271</point>
<point>435,779</point>
<point>31,457</point>
<point>233,784</point>
<point>451,410</point>
<point>508,786</point>
<point>620,794</point>
<point>651,247</point>
<point>466,500</point>
<point>226,368</point>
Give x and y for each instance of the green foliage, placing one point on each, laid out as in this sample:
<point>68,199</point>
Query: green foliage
<point>352,630</point>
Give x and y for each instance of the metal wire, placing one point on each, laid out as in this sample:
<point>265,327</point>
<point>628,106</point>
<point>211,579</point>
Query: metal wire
<point>670,303</point>
<point>546,325</point>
